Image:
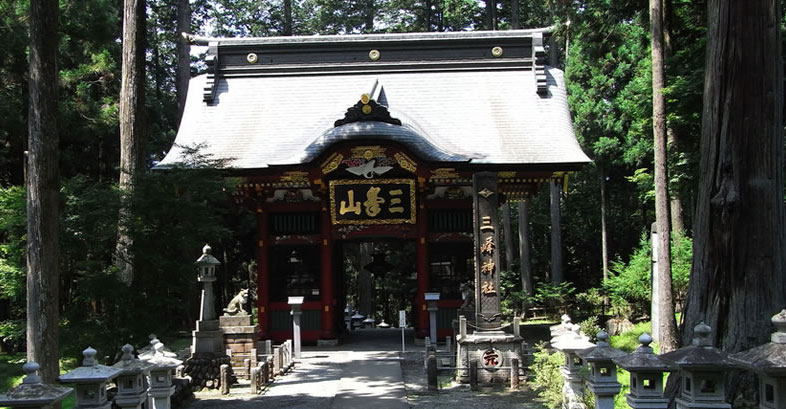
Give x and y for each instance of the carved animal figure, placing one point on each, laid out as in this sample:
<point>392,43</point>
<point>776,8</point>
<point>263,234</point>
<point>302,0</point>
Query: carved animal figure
<point>237,304</point>
<point>468,295</point>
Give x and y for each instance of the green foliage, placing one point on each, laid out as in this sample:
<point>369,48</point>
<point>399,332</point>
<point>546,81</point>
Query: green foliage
<point>590,328</point>
<point>11,372</point>
<point>628,341</point>
<point>631,283</point>
<point>553,295</point>
<point>548,379</point>
<point>589,301</point>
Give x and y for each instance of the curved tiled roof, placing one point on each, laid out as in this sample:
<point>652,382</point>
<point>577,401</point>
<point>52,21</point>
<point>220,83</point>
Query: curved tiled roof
<point>478,114</point>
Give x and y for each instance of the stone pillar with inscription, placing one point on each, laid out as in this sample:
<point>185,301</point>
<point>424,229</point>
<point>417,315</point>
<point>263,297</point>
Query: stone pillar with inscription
<point>492,347</point>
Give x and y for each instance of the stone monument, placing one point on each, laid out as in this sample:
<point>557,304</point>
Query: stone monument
<point>492,348</point>
<point>240,334</point>
<point>207,346</point>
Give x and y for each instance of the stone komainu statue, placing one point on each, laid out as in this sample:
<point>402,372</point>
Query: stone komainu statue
<point>468,295</point>
<point>237,305</point>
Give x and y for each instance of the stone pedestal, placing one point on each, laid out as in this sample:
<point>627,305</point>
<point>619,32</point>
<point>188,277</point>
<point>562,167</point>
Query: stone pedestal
<point>239,341</point>
<point>207,338</point>
<point>494,352</point>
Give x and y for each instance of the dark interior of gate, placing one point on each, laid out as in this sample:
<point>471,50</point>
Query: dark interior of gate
<point>357,155</point>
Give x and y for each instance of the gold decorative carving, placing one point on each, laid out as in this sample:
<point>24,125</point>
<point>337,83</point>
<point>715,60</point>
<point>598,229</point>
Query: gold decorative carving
<point>332,163</point>
<point>368,152</point>
<point>374,55</point>
<point>295,176</point>
<point>506,174</point>
<point>485,193</point>
<point>497,51</point>
<point>252,58</point>
<point>444,173</point>
<point>405,162</point>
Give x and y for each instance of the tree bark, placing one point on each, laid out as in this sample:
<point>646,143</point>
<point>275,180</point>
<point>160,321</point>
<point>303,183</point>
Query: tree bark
<point>675,203</point>
<point>515,21</point>
<point>491,14</point>
<point>508,234</point>
<point>287,17</point>
<point>131,113</point>
<point>556,233</point>
<point>604,242</point>
<point>183,73</point>
<point>43,193</point>
<point>737,278</point>
<point>668,323</point>
<point>525,264</point>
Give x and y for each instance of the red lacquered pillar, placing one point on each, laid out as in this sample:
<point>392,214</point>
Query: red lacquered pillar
<point>328,303</point>
<point>263,274</point>
<point>423,273</point>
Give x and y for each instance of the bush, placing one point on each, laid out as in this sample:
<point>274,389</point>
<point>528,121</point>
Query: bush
<point>548,379</point>
<point>590,328</point>
<point>631,282</point>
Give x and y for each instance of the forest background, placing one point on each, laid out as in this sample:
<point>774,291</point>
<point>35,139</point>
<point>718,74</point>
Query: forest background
<point>603,45</point>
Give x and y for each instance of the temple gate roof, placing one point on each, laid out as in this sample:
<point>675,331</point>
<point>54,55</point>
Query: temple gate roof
<point>469,97</point>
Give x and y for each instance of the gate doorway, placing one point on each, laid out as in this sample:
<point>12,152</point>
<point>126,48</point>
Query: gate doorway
<point>375,279</point>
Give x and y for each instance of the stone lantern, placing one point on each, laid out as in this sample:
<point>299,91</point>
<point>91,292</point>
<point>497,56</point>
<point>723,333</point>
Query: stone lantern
<point>131,386</point>
<point>702,368</point>
<point>206,265</point>
<point>646,376</point>
<point>161,367</point>
<point>769,362</point>
<point>603,373</point>
<point>32,393</point>
<point>207,338</point>
<point>570,343</point>
<point>90,380</point>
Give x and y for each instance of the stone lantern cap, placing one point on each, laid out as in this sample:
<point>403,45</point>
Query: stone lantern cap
<point>32,393</point>
<point>770,358</point>
<point>161,358</point>
<point>128,364</point>
<point>90,371</point>
<point>700,354</point>
<point>562,327</point>
<point>572,341</point>
<point>602,352</point>
<point>207,259</point>
<point>643,359</point>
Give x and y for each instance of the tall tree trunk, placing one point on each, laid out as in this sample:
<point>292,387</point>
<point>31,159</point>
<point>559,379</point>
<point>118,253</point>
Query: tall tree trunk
<point>675,204</point>
<point>132,100</point>
<point>556,233</point>
<point>525,262</point>
<point>427,16</point>
<point>738,280</point>
<point>370,11</point>
<point>43,193</point>
<point>604,241</point>
<point>183,73</point>
<point>287,17</point>
<point>491,14</point>
<point>508,234</point>
<point>515,22</point>
<point>668,323</point>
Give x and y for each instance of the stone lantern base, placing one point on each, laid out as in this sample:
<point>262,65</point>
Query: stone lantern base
<point>477,346</point>
<point>205,370</point>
